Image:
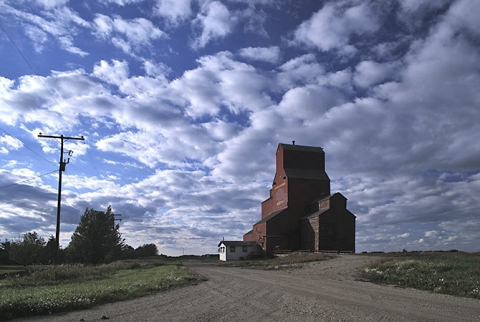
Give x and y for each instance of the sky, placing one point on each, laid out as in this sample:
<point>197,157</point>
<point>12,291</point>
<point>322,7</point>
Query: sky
<point>182,104</point>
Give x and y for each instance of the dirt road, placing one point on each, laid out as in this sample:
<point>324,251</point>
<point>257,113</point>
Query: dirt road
<point>322,291</point>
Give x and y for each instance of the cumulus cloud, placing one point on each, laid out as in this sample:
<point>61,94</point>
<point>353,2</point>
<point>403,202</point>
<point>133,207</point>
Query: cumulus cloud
<point>121,2</point>
<point>175,11</point>
<point>130,35</point>
<point>10,142</point>
<point>220,80</point>
<point>184,145</point>
<point>116,74</point>
<point>417,5</point>
<point>48,4</point>
<point>155,69</point>
<point>431,233</point>
<point>266,54</point>
<point>369,73</point>
<point>214,21</point>
<point>333,25</point>
<point>60,24</point>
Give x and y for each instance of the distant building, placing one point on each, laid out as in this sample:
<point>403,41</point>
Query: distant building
<point>237,250</point>
<point>300,213</point>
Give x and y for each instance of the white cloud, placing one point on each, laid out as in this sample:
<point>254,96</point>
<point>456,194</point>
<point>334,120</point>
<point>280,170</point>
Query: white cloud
<point>416,5</point>
<point>398,126</point>
<point>451,238</point>
<point>67,44</point>
<point>214,21</point>
<point>266,54</point>
<point>39,37</point>
<point>255,2</point>
<point>49,4</point>
<point>175,11</point>
<point>61,24</point>
<point>218,81</point>
<point>307,103</point>
<point>431,233</point>
<point>221,130</point>
<point>116,74</point>
<point>464,13</point>
<point>332,26</point>
<point>103,26</point>
<point>298,71</point>
<point>129,35</point>
<point>11,142</point>
<point>155,69</point>
<point>121,2</point>
<point>368,73</point>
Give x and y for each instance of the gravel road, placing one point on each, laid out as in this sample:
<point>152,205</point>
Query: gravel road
<point>321,291</point>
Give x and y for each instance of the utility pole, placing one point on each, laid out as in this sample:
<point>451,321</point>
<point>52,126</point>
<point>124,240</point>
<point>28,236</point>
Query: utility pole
<point>62,166</point>
<point>115,219</point>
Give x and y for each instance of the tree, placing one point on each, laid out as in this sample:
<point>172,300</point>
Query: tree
<point>128,252</point>
<point>146,250</point>
<point>50,251</point>
<point>27,250</point>
<point>4,252</point>
<point>96,239</point>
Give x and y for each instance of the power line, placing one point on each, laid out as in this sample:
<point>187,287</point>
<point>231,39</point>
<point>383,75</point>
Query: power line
<point>26,146</point>
<point>26,180</point>
<point>33,70</point>
<point>46,88</point>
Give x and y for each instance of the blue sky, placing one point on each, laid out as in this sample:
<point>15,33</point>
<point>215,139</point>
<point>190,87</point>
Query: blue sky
<point>183,102</point>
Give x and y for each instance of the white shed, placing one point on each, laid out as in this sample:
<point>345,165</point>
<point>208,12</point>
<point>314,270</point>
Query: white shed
<point>237,250</point>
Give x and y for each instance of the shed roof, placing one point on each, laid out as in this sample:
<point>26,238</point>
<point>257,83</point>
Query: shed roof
<point>323,212</point>
<point>306,174</point>
<point>270,216</point>
<point>315,214</point>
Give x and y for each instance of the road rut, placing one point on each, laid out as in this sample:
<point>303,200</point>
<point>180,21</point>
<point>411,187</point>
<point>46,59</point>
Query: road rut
<point>321,291</point>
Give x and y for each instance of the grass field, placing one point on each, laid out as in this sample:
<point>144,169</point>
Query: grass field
<point>454,273</point>
<point>50,289</point>
<point>292,260</point>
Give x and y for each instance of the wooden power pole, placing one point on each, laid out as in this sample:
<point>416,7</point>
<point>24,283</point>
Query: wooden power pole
<point>62,166</point>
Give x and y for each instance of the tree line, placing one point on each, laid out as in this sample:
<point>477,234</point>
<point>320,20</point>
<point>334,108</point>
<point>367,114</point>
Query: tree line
<point>96,240</point>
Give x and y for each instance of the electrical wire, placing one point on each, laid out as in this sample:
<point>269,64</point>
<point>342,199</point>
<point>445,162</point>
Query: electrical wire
<point>34,72</point>
<point>26,180</point>
<point>49,92</point>
<point>26,146</point>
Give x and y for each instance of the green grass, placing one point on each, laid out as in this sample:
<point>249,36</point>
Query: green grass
<point>454,273</point>
<point>7,269</point>
<point>293,260</point>
<point>51,289</point>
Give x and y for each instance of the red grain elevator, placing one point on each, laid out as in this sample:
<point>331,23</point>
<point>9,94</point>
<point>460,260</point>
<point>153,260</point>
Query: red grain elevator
<point>300,213</point>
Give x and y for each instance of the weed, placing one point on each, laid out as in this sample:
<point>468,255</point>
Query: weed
<point>453,273</point>
<point>50,289</point>
<point>293,260</point>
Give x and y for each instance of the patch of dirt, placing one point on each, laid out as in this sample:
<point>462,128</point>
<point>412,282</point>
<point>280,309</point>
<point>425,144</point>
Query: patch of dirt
<point>320,291</point>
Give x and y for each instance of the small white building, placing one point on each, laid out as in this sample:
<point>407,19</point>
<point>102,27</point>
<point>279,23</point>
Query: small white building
<point>237,250</point>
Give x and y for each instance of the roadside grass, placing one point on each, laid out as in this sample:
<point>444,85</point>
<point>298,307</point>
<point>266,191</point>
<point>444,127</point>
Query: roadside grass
<point>8,269</point>
<point>453,273</point>
<point>288,261</point>
<point>51,289</point>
